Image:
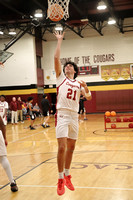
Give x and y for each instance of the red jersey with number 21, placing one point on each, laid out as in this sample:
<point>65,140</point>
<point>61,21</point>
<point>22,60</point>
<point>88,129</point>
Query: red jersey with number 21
<point>68,93</point>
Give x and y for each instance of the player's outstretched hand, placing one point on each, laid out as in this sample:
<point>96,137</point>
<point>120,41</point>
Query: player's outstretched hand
<point>59,35</point>
<point>82,83</point>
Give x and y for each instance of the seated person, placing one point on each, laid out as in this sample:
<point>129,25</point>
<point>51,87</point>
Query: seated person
<point>24,110</point>
<point>38,113</point>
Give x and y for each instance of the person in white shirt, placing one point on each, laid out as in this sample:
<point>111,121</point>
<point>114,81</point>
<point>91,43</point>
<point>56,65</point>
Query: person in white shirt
<point>68,94</point>
<point>3,109</point>
<point>3,157</point>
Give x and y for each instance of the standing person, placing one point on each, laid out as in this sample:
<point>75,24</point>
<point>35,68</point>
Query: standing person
<point>14,108</point>
<point>31,113</point>
<point>20,112</point>
<point>3,157</point>
<point>3,109</point>
<point>68,94</point>
<point>45,110</point>
<point>82,109</point>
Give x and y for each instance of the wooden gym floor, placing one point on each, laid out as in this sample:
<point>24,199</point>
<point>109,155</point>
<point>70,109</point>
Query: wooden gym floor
<point>102,167</point>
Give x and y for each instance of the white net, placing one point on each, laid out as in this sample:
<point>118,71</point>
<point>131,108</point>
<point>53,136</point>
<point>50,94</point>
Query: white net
<point>53,14</point>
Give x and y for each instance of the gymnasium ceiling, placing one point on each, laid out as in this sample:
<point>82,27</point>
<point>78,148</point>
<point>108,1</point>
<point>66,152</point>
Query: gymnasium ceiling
<point>17,14</point>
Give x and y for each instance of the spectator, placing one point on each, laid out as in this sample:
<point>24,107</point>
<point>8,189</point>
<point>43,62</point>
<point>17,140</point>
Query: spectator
<point>36,107</point>
<point>14,108</point>
<point>20,112</point>
<point>3,109</point>
<point>24,108</point>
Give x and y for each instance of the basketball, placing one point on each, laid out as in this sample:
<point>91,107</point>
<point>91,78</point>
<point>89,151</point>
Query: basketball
<point>55,12</point>
<point>125,119</point>
<point>108,120</point>
<point>118,119</point>
<point>131,119</point>
<point>107,113</point>
<point>113,125</point>
<point>113,113</point>
<point>130,125</point>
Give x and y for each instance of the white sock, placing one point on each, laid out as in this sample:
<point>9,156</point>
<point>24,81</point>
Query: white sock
<point>66,171</point>
<point>44,124</point>
<point>6,165</point>
<point>61,175</point>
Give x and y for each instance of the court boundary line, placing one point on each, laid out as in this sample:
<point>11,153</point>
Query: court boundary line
<point>75,152</point>
<point>105,140</point>
<point>78,187</point>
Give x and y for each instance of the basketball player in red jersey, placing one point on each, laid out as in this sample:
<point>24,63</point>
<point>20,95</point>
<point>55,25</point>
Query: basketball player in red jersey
<point>68,94</point>
<point>3,157</point>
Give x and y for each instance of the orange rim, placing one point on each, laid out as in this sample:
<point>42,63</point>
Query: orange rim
<point>1,65</point>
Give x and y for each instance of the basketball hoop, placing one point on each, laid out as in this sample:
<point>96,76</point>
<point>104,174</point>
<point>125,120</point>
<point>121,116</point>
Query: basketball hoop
<point>58,9</point>
<point>1,66</point>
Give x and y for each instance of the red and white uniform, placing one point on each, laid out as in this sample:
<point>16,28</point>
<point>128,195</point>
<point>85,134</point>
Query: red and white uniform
<point>68,94</point>
<point>3,106</point>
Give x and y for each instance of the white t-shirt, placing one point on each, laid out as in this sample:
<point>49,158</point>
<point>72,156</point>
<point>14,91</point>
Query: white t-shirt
<point>3,151</point>
<point>68,93</point>
<point>3,106</point>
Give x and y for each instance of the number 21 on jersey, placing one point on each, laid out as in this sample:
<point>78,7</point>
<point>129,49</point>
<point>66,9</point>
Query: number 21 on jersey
<point>71,94</point>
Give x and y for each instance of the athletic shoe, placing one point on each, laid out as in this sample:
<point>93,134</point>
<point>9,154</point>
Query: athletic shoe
<point>68,182</point>
<point>14,187</point>
<point>47,125</point>
<point>22,121</point>
<point>32,128</point>
<point>61,187</point>
<point>44,126</point>
<point>85,119</point>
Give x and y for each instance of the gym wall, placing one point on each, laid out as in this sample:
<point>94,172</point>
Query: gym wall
<point>20,69</point>
<point>19,77</point>
<point>111,94</point>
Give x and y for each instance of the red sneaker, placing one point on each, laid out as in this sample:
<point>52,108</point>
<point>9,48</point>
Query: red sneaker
<point>61,187</point>
<point>68,182</point>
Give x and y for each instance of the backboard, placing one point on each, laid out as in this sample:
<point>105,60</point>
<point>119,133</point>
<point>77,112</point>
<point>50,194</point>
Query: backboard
<point>4,55</point>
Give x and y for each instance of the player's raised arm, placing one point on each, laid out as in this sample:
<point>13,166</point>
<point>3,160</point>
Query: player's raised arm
<point>57,64</point>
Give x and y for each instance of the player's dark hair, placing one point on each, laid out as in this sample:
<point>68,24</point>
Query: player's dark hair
<point>29,99</point>
<point>75,68</point>
<point>3,96</point>
<point>44,96</point>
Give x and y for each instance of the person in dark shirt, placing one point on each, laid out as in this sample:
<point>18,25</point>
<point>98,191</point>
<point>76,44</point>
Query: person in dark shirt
<point>82,109</point>
<point>45,110</point>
